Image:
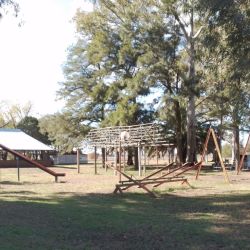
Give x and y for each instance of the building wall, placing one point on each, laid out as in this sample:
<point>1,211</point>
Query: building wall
<point>69,159</point>
<point>22,164</point>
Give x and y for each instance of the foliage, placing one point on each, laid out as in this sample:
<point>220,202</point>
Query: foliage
<point>191,53</point>
<point>11,114</point>
<point>64,133</point>
<point>30,125</point>
<point>227,150</point>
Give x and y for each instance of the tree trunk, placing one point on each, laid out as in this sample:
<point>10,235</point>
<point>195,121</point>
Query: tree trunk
<point>178,130</point>
<point>136,158</point>
<point>103,157</point>
<point>236,146</point>
<point>130,157</point>
<point>191,130</point>
<point>191,119</point>
<point>236,136</point>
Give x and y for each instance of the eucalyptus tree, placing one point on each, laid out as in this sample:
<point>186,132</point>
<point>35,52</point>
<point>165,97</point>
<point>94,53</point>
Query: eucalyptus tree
<point>227,41</point>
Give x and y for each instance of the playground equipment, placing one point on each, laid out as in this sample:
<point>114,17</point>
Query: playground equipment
<point>122,137</point>
<point>209,134</point>
<point>27,159</point>
<point>174,174</point>
<point>239,168</point>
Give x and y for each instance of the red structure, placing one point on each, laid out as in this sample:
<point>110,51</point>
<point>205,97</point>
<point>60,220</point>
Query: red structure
<point>27,159</point>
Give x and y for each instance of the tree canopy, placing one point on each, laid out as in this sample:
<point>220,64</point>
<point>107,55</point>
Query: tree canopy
<point>181,63</point>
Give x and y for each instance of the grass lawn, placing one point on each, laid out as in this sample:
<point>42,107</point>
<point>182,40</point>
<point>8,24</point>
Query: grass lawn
<point>81,212</point>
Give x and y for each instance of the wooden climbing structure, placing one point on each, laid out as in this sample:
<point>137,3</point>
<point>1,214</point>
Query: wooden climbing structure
<point>121,137</point>
<point>157,178</point>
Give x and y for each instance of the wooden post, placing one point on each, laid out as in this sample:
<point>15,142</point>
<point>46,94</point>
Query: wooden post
<point>211,131</point>
<point>220,157</point>
<point>139,159</point>
<point>18,168</point>
<point>203,153</point>
<point>95,161</point>
<point>124,158</point>
<point>243,155</point>
<point>120,161</point>
<point>115,172</point>
<point>145,160</point>
<point>157,160</point>
<point>78,160</point>
<point>105,163</point>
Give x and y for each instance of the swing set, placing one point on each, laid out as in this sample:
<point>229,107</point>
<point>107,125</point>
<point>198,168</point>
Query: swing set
<point>212,134</point>
<point>243,155</point>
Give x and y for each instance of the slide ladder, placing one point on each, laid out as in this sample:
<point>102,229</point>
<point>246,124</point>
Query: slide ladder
<point>35,163</point>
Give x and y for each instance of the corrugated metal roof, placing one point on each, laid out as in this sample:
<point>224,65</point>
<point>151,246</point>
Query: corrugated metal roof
<point>16,139</point>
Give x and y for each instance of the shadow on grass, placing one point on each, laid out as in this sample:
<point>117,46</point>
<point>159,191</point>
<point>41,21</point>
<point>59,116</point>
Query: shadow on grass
<point>131,221</point>
<point>10,183</point>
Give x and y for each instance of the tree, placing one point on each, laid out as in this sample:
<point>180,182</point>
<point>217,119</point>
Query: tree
<point>62,131</point>
<point>4,4</point>
<point>30,125</point>
<point>12,114</point>
<point>127,50</point>
<point>227,40</point>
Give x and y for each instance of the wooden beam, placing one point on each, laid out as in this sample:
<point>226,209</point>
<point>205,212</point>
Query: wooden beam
<point>220,157</point>
<point>95,160</point>
<point>243,156</point>
<point>203,153</point>
<point>139,159</point>
<point>78,160</point>
<point>18,168</point>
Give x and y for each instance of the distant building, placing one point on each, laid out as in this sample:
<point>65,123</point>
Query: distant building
<point>17,140</point>
<point>69,159</point>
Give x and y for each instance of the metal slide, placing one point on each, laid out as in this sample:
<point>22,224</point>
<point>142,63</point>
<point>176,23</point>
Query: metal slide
<point>27,159</point>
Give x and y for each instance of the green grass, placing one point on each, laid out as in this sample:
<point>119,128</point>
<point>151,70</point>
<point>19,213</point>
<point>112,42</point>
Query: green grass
<point>51,216</point>
<point>133,221</point>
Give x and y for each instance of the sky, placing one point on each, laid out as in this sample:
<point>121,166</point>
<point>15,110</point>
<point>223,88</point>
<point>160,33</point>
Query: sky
<point>32,55</point>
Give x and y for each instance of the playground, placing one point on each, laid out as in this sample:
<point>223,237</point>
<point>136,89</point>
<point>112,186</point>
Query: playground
<point>80,211</point>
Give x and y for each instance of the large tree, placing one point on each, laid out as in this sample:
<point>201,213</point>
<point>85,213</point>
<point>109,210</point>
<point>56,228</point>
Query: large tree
<point>30,125</point>
<point>126,50</point>
<point>63,131</point>
<point>227,42</point>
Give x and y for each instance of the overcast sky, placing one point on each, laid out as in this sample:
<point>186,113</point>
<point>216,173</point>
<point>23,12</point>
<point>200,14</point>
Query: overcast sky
<point>31,56</point>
